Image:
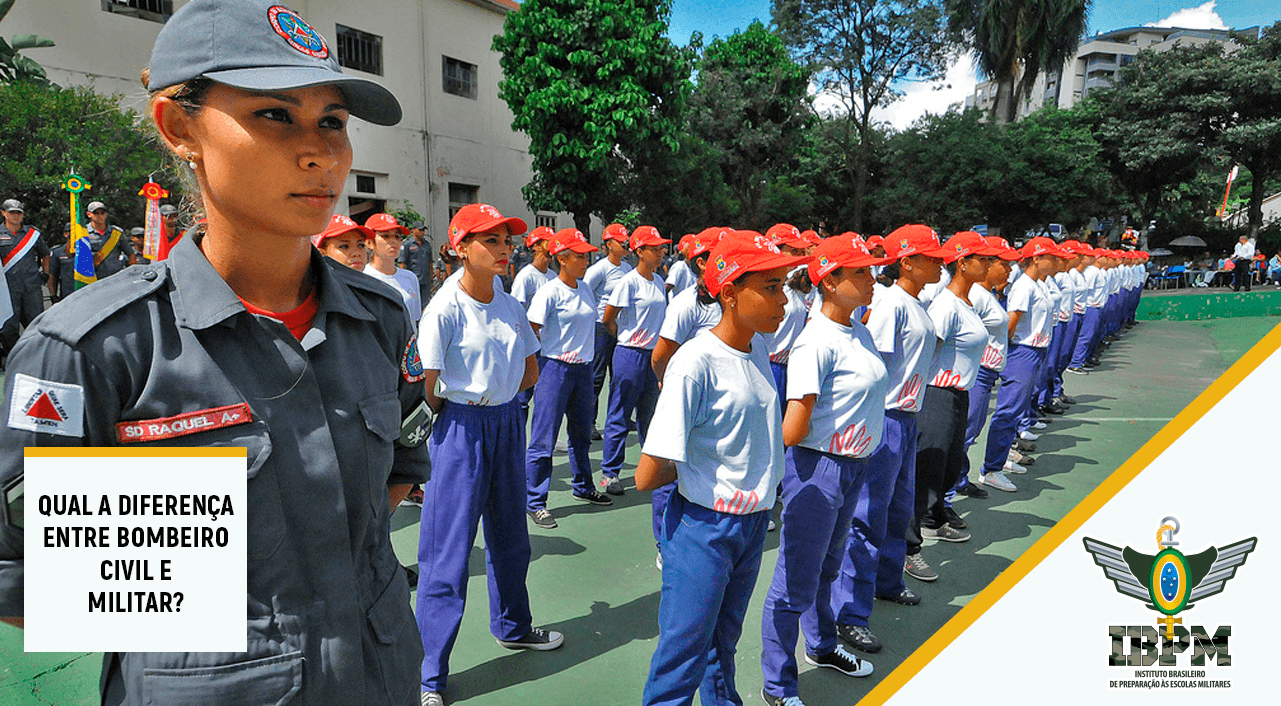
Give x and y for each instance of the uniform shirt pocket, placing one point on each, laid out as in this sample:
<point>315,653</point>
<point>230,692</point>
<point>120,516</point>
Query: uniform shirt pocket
<point>270,681</point>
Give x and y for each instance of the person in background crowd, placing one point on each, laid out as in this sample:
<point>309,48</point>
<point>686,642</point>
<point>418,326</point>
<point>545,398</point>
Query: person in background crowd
<point>344,242</point>
<point>602,277</point>
<point>137,238</point>
<point>1242,258</point>
<point>25,260</point>
<point>62,272</point>
<point>415,256</point>
<point>384,246</point>
<point>112,250</point>
<point>680,277</point>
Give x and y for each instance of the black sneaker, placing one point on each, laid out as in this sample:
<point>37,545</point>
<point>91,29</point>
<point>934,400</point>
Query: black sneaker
<point>973,490</point>
<point>613,486</point>
<point>772,700</point>
<point>1024,446</point>
<point>859,637</point>
<point>594,497</point>
<point>953,519</point>
<point>841,661</point>
<point>904,597</point>
<point>542,518</point>
<point>596,435</point>
<point>537,639</point>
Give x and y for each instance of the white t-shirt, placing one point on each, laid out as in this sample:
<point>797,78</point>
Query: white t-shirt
<point>453,279</point>
<point>839,364</point>
<point>997,322</point>
<point>795,314</point>
<point>964,338</point>
<point>528,281</point>
<point>718,419</point>
<point>686,317</point>
<point>1035,323</point>
<point>406,284</point>
<point>567,316</point>
<point>479,349</point>
<point>931,290</point>
<point>905,337</point>
<point>1054,294</point>
<point>602,277</point>
<point>642,304</point>
<point>1096,291</point>
<point>1080,292</point>
<point>680,277</point>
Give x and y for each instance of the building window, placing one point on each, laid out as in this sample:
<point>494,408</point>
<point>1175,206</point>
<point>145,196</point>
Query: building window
<point>459,77</point>
<point>366,184</point>
<point>361,51</point>
<point>460,195</point>
<point>545,220</point>
<point>153,10</point>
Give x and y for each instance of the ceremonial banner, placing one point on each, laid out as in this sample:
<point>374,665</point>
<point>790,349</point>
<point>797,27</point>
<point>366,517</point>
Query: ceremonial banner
<point>78,245</point>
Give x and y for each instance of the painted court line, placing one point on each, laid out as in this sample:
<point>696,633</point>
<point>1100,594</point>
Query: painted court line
<point>1123,419</point>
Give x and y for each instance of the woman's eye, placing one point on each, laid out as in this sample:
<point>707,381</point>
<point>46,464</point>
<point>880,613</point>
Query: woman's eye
<point>332,123</point>
<point>276,114</point>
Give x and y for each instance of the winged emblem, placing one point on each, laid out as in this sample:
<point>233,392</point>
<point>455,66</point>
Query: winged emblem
<point>1170,581</point>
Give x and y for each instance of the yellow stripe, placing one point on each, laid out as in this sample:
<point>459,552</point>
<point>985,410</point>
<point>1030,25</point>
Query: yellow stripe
<point>1073,521</point>
<point>148,452</point>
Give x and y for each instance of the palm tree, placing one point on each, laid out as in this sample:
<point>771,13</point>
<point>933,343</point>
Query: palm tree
<point>1014,40</point>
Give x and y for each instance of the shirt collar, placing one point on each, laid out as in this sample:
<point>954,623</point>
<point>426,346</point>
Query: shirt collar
<point>201,298</point>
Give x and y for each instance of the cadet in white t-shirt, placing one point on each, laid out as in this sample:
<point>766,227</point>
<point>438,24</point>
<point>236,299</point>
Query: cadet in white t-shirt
<point>602,277</point>
<point>717,433</point>
<point>563,314</point>
<point>533,276</point>
<point>680,277</point>
<point>834,419</point>
<point>802,295</point>
<point>478,352</point>
<point>692,310</point>
<point>876,556</point>
<point>940,446</point>
<point>384,248</point>
<point>634,315</point>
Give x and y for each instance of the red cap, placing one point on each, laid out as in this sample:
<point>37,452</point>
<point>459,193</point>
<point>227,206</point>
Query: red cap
<point>537,234</point>
<point>845,250</point>
<point>1004,251</point>
<point>913,239</point>
<point>787,234</point>
<point>385,221</point>
<point>873,240</point>
<point>338,225</point>
<point>684,241</point>
<point>615,231</point>
<point>742,252</point>
<point>967,243</point>
<point>570,239</point>
<point>706,240</point>
<point>812,237</point>
<point>479,218</point>
<point>646,235</point>
<point>1041,246</point>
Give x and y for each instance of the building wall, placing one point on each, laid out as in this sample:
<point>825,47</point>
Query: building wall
<point>442,138</point>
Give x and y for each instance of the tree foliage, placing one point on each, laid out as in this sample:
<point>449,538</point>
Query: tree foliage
<point>598,88</point>
<point>862,51</point>
<point>13,65</point>
<point>47,130</point>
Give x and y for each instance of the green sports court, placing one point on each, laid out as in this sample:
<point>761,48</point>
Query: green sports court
<point>594,578</point>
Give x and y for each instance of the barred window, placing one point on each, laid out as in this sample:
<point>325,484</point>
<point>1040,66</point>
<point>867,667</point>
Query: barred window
<point>153,10</point>
<point>358,50</point>
<point>460,195</point>
<point>459,77</point>
<point>545,220</point>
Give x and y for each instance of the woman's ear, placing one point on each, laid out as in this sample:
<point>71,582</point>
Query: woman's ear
<point>176,127</point>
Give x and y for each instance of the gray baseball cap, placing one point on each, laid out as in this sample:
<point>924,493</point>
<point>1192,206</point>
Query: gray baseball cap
<point>137,231</point>
<point>167,209</point>
<point>14,205</point>
<point>259,45</point>
<point>95,205</point>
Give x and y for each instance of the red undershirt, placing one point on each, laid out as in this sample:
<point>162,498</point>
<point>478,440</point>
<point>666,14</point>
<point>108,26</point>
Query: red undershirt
<point>298,321</point>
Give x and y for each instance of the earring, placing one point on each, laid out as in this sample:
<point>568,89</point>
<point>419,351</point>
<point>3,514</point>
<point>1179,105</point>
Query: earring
<point>191,161</point>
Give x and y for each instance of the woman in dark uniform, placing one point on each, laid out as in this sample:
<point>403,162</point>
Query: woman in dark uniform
<point>321,360</point>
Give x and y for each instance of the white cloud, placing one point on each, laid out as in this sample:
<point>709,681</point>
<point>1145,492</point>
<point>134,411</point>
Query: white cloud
<point>1199,17</point>
<point>918,98</point>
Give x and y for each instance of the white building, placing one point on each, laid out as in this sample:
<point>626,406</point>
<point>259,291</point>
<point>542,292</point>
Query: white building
<point>1097,61</point>
<point>454,145</point>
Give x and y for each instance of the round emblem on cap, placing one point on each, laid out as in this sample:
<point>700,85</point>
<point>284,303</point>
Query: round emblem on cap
<point>297,32</point>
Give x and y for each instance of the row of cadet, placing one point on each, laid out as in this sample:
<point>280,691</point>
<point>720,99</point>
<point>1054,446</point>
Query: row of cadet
<point>848,375</point>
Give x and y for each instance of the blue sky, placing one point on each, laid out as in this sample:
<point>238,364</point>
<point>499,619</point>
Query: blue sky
<point>722,17</point>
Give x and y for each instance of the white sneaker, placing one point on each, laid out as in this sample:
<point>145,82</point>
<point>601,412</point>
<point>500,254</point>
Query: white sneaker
<point>1039,425</point>
<point>562,446</point>
<point>658,561</point>
<point>432,698</point>
<point>1028,436</point>
<point>1015,468</point>
<point>997,480</point>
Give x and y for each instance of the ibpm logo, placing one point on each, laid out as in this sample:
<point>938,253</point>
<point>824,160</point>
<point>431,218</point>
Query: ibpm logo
<point>1169,582</point>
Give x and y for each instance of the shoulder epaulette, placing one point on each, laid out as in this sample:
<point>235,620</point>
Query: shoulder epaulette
<point>84,309</point>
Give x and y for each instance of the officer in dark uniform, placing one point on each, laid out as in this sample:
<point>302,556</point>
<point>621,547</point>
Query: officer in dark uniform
<point>271,330</point>
<point>138,239</point>
<point>415,256</point>
<point>25,258</point>
<point>62,269</point>
<point>112,249</point>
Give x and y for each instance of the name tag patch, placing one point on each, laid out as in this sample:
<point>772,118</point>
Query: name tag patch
<point>46,407</point>
<point>183,424</point>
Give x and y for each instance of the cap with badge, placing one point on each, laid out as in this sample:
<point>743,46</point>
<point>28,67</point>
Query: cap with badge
<point>913,239</point>
<point>812,237</point>
<point>481,218</point>
<point>787,234</point>
<point>646,235</point>
<point>259,45</point>
<point>1004,251</point>
<point>1042,245</point>
<point>11,205</point>
<point>967,243</point>
<point>743,252</point>
<point>846,250</point>
<point>705,240</point>
<point>570,239</point>
<point>338,225</point>
<point>537,234</point>
<point>95,206</point>
<point>1075,247</point>
<point>616,232</point>
<point>383,222</point>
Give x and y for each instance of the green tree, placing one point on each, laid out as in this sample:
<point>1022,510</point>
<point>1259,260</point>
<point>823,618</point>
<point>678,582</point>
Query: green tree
<point>598,88</point>
<point>750,107</point>
<point>862,51</point>
<point>1056,173</point>
<point>15,66</point>
<point>47,130</point>
<point>1014,40</point>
